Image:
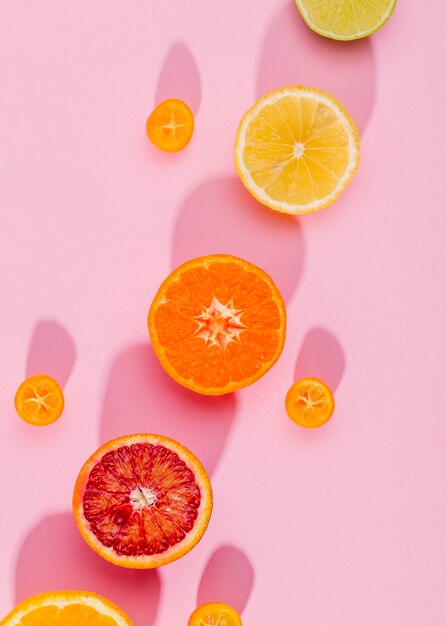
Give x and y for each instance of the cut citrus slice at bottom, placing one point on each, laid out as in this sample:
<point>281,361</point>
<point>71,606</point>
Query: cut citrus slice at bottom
<point>296,149</point>
<point>345,20</point>
<point>217,324</point>
<point>66,608</point>
<point>39,400</point>
<point>142,501</point>
<point>310,403</point>
<point>215,614</point>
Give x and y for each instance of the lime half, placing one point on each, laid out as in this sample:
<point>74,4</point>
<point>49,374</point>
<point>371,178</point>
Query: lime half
<point>345,19</point>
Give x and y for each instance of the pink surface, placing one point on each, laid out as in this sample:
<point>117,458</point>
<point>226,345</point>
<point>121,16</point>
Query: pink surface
<point>344,526</point>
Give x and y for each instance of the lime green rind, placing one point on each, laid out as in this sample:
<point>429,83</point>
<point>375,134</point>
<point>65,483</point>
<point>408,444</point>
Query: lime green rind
<point>357,35</point>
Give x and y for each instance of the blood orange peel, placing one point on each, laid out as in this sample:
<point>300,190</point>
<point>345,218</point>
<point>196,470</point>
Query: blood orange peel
<point>217,324</point>
<point>142,501</point>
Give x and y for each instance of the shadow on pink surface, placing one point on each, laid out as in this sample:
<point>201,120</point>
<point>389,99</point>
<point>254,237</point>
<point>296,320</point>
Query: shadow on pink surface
<point>228,577</point>
<point>51,351</point>
<point>141,397</point>
<point>321,356</point>
<point>293,54</point>
<point>180,78</point>
<point>54,557</point>
<point>220,216</point>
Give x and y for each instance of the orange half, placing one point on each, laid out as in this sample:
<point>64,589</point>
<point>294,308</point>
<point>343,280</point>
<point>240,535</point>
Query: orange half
<point>215,613</point>
<point>310,403</point>
<point>217,324</point>
<point>66,608</point>
<point>142,501</point>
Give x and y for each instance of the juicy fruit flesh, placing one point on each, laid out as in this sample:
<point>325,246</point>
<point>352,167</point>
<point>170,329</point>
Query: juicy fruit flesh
<point>141,499</point>
<point>218,323</point>
<point>39,400</point>
<point>297,150</point>
<point>170,125</point>
<point>70,615</point>
<point>346,18</point>
<point>214,614</point>
<point>310,402</point>
<point>313,400</point>
<point>217,619</point>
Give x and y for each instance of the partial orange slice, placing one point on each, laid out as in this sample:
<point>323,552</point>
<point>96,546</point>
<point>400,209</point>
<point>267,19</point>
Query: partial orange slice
<point>170,125</point>
<point>217,324</point>
<point>297,149</point>
<point>310,403</point>
<point>66,608</point>
<point>215,614</point>
<point>39,400</point>
<point>142,501</point>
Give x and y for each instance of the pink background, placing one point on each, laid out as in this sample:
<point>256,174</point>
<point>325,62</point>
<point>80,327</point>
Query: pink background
<point>344,526</point>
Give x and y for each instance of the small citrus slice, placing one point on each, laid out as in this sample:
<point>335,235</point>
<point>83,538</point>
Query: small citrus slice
<point>297,149</point>
<point>142,501</point>
<point>346,19</point>
<point>310,403</point>
<point>39,400</point>
<point>216,614</point>
<point>217,324</point>
<point>66,608</point>
<point>170,125</point>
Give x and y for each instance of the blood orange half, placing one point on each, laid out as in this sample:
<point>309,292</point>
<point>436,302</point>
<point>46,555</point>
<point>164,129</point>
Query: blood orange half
<point>217,324</point>
<point>142,501</point>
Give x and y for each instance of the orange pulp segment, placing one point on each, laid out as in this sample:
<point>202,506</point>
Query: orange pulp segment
<point>215,614</point>
<point>39,400</point>
<point>309,402</point>
<point>66,608</point>
<point>217,324</point>
<point>170,125</point>
<point>142,501</point>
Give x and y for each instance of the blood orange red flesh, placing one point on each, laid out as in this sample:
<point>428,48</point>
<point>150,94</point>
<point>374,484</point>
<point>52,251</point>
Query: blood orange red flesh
<point>142,501</point>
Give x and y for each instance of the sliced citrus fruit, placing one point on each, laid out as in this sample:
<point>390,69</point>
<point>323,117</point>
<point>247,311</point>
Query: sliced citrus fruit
<point>142,501</point>
<point>39,400</point>
<point>296,149</point>
<point>216,614</point>
<point>309,402</point>
<point>170,125</point>
<point>217,324</point>
<point>346,19</point>
<point>66,608</point>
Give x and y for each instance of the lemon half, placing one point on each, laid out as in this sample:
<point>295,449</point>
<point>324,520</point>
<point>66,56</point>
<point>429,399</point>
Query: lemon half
<point>297,149</point>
